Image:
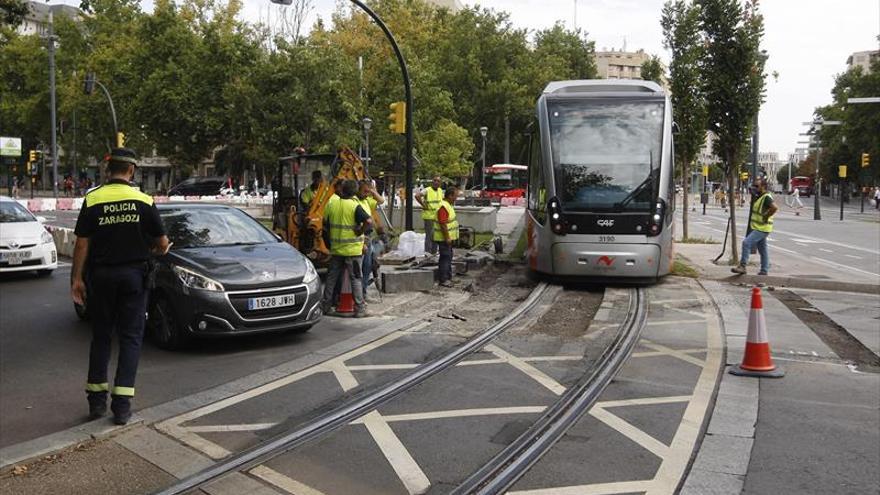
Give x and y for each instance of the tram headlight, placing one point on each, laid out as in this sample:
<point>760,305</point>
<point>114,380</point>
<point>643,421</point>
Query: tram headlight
<point>656,217</point>
<point>557,223</point>
<point>656,224</point>
<point>556,216</point>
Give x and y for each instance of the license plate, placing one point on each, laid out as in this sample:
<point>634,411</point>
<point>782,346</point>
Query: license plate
<point>14,257</point>
<point>270,302</point>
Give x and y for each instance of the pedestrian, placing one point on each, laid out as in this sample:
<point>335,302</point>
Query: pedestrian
<point>345,222</point>
<point>796,198</point>
<point>446,234</point>
<point>369,200</point>
<point>117,229</point>
<point>15,182</point>
<point>877,198</point>
<point>761,224</point>
<point>430,200</point>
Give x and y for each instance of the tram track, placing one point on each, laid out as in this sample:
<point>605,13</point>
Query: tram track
<point>509,465</point>
<point>357,407</point>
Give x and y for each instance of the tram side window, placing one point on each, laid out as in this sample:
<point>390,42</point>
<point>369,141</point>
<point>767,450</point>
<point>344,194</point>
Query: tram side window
<point>537,184</point>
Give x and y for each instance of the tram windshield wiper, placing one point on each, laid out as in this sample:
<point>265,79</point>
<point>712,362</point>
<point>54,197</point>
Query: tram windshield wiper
<point>649,180</point>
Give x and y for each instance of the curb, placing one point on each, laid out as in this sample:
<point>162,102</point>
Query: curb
<point>800,283</point>
<point>101,428</point>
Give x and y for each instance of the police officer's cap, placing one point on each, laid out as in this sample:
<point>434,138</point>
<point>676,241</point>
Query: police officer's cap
<point>123,155</point>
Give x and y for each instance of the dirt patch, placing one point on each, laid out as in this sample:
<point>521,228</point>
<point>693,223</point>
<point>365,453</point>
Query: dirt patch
<point>571,314</point>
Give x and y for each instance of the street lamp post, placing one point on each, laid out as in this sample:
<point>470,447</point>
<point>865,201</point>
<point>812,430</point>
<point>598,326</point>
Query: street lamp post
<point>89,88</point>
<point>367,123</point>
<point>483,131</point>
<point>52,115</point>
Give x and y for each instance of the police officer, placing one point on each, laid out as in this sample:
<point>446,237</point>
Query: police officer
<point>345,222</point>
<point>117,228</point>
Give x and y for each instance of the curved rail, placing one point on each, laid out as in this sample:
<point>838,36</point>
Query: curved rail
<point>354,409</point>
<point>500,473</point>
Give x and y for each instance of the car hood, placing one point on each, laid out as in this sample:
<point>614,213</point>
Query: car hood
<point>21,232</point>
<point>244,267</point>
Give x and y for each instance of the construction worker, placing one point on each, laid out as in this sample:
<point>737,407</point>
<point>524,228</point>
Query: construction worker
<point>369,200</point>
<point>117,228</point>
<point>308,194</point>
<point>446,234</point>
<point>346,221</point>
<point>430,201</point>
<point>761,225</point>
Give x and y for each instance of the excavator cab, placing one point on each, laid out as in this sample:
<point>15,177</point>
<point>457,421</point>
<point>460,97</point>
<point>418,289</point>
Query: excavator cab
<point>299,224</point>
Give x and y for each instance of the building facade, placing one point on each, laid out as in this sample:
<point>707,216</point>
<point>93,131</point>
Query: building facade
<point>616,64</point>
<point>36,21</point>
<point>863,60</point>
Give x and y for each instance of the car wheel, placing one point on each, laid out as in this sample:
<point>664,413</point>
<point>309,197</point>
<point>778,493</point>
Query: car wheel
<point>44,273</point>
<point>164,331</point>
<point>82,311</point>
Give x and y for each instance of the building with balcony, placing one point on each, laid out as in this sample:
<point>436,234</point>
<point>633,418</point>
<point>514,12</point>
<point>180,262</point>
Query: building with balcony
<point>36,21</point>
<point>863,60</point>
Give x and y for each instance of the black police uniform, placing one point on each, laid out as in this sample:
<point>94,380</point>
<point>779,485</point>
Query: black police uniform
<point>121,224</point>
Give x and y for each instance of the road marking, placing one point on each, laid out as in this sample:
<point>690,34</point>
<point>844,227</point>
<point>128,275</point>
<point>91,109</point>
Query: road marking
<point>534,373</point>
<point>644,401</point>
<point>282,481</point>
<point>674,322</point>
<point>597,489</point>
<point>461,413</point>
<point>826,250</point>
<point>661,353</point>
<point>401,461</point>
<point>230,428</point>
<point>806,241</point>
<point>674,353</point>
<point>638,436</point>
<point>826,241</point>
<point>829,263</point>
<point>853,256</point>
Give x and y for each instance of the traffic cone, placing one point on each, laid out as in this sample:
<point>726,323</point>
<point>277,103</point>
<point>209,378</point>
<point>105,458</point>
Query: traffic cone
<point>756,360</point>
<point>346,299</point>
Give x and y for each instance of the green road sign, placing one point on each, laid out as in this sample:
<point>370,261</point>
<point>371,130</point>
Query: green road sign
<point>10,146</point>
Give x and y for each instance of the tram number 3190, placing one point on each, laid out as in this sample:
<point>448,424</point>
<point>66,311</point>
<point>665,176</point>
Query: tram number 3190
<point>606,238</point>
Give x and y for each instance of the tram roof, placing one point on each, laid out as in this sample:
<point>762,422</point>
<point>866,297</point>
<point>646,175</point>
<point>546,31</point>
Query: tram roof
<point>602,86</point>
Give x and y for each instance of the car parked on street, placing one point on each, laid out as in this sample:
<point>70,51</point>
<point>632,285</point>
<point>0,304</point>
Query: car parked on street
<point>198,186</point>
<point>227,275</point>
<point>25,244</point>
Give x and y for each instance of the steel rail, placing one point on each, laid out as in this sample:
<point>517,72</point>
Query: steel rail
<point>356,408</point>
<point>509,465</point>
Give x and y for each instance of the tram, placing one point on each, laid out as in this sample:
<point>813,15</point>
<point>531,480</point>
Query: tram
<point>601,195</point>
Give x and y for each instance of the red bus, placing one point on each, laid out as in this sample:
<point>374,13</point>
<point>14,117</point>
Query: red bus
<point>505,181</point>
<point>804,185</point>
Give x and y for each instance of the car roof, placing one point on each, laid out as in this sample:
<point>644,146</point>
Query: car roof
<point>182,205</point>
<point>5,198</point>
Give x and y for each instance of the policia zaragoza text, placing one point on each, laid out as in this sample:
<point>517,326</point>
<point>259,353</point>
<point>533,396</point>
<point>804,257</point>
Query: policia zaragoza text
<point>117,208</point>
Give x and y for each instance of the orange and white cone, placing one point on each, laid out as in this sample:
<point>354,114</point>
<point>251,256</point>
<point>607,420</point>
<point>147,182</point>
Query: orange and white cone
<point>756,359</point>
<point>346,299</point>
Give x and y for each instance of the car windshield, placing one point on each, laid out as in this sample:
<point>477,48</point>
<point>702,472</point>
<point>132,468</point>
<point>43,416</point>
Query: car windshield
<point>203,227</point>
<point>499,182</point>
<point>11,211</point>
<point>604,153</point>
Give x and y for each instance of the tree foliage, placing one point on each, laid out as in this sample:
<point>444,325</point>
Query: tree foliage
<point>652,70</point>
<point>682,36</point>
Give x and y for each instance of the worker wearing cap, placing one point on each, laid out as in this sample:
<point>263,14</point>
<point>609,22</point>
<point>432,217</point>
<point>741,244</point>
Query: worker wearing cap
<point>117,229</point>
<point>308,194</point>
<point>430,201</point>
<point>446,234</point>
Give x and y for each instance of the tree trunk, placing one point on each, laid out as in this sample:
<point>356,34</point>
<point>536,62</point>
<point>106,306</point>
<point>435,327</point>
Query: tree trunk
<point>731,200</point>
<point>686,192</point>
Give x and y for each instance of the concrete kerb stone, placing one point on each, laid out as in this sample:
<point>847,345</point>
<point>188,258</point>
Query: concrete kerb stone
<point>99,429</point>
<point>396,281</point>
<point>724,454</point>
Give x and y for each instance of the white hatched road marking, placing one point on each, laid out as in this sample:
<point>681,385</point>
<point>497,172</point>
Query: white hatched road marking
<point>597,489</point>
<point>534,373</point>
<point>283,481</point>
<point>462,413</point>
<point>407,469</point>
<point>638,436</point>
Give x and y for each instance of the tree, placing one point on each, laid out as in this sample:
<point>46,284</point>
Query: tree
<point>652,70</point>
<point>733,82</point>
<point>681,31</point>
<point>445,151</point>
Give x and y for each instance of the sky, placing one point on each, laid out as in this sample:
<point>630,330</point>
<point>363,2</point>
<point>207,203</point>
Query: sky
<point>808,42</point>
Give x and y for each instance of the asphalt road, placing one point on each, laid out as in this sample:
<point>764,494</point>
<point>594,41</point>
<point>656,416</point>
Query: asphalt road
<point>851,247</point>
<point>44,358</point>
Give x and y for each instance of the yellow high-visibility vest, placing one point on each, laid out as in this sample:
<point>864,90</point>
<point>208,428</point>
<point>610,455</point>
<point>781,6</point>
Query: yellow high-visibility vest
<point>451,225</point>
<point>341,223</point>
<point>432,199</point>
<point>757,218</point>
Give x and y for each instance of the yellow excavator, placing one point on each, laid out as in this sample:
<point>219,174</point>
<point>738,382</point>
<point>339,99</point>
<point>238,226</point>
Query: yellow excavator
<point>303,228</point>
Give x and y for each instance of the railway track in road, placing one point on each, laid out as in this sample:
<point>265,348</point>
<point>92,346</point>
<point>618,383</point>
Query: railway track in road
<point>357,407</point>
<point>505,468</point>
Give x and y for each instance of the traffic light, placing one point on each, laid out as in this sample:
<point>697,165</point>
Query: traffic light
<point>89,85</point>
<point>841,171</point>
<point>32,156</point>
<point>744,176</point>
<point>866,160</point>
<point>120,139</point>
<point>397,117</point>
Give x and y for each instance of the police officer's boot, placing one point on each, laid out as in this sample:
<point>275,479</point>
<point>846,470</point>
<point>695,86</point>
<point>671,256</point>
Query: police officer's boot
<point>97,404</point>
<point>121,407</point>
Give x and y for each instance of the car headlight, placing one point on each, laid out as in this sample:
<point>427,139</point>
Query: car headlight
<point>46,237</point>
<point>311,273</point>
<point>194,280</point>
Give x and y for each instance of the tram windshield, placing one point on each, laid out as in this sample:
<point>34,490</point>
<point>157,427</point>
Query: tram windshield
<point>606,153</point>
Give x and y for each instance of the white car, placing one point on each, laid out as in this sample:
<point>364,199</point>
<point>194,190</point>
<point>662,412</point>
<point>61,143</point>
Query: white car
<point>25,244</point>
